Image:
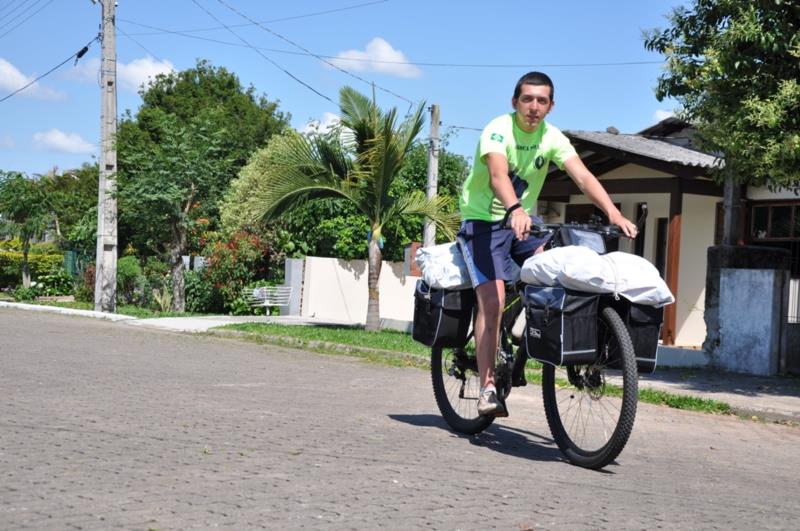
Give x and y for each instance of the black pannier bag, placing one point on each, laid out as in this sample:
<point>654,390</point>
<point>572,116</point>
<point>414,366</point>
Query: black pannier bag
<point>442,317</point>
<point>561,325</point>
<point>644,327</point>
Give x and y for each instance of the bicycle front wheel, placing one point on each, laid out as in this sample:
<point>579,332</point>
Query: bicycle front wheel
<point>591,408</point>
<point>456,386</point>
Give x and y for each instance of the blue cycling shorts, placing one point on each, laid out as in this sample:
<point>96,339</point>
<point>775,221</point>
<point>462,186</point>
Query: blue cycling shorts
<point>489,248</point>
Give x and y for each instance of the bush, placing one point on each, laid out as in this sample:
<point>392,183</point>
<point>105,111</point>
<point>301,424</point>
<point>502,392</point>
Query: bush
<point>15,245</point>
<point>201,297</point>
<point>128,271</point>
<point>234,263</point>
<point>39,264</point>
<point>85,291</point>
<point>56,282</point>
<point>25,294</point>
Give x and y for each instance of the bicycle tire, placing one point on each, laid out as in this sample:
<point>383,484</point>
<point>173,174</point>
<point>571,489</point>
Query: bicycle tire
<point>589,439</point>
<point>456,385</point>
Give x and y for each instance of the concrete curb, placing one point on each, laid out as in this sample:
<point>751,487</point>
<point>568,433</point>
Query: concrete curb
<point>66,311</point>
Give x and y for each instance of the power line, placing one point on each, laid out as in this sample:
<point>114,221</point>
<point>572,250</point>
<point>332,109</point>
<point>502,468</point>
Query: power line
<point>404,63</point>
<point>295,17</point>
<point>140,45</point>
<point>462,127</point>
<point>23,21</point>
<point>224,3</point>
<point>309,87</point>
<point>77,55</point>
<point>22,3</point>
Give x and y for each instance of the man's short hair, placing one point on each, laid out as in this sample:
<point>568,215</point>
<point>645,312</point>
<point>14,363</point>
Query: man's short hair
<point>535,78</point>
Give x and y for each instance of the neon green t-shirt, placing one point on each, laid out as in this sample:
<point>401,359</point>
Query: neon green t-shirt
<point>528,154</point>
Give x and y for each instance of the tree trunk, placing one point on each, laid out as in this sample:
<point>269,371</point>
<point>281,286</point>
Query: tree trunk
<point>732,203</point>
<point>26,270</point>
<point>373,304</point>
<point>176,264</point>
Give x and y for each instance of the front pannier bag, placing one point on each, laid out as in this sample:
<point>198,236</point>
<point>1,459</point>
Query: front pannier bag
<point>562,325</point>
<point>442,317</point>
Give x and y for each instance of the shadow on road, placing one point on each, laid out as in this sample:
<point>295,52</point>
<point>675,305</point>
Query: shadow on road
<point>504,439</point>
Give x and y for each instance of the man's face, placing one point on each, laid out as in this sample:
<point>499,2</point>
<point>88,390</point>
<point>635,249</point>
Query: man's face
<point>532,106</point>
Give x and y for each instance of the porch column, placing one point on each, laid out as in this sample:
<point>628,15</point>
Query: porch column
<point>668,331</point>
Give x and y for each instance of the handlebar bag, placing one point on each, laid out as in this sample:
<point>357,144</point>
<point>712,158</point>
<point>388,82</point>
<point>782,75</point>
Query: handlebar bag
<point>585,238</point>
<point>561,325</point>
<point>442,317</point>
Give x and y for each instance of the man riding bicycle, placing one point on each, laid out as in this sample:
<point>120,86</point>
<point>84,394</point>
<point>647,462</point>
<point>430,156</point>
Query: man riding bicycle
<point>497,198</point>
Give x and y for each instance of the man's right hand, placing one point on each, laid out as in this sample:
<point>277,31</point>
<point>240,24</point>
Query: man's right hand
<point>520,223</point>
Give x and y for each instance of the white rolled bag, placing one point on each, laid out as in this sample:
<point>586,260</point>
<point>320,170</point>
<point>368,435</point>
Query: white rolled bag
<point>443,267</point>
<point>582,269</point>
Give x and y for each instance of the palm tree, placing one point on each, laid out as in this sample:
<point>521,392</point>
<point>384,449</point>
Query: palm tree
<point>357,166</point>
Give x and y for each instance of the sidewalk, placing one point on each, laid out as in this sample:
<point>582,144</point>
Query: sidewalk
<point>774,399</point>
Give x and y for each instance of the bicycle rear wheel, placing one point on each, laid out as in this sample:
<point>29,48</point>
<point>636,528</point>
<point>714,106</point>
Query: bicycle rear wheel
<point>456,385</point>
<point>590,417</point>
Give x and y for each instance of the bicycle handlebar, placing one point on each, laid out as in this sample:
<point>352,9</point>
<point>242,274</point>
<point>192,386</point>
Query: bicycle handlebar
<point>607,231</point>
<point>610,231</point>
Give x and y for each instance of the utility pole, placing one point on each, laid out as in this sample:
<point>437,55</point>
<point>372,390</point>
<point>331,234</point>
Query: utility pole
<point>429,233</point>
<point>105,280</point>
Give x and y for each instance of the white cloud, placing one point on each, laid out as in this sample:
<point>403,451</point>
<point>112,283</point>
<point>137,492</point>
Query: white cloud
<point>379,56</point>
<point>12,79</point>
<point>86,70</point>
<point>662,114</point>
<point>323,125</point>
<point>55,140</point>
<point>130,76</point>
<point>6,142</point>
<point>141,72</point>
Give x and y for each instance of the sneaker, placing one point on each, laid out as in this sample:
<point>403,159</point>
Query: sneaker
<point>489,404</point>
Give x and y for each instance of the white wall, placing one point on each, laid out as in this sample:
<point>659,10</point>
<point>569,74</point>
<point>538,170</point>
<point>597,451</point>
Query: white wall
<point>632,171</point>
<point>336,290</point>
<point>697,235</point>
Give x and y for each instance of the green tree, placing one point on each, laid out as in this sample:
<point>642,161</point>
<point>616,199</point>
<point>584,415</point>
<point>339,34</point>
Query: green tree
<point>250,119</point>
<point>192,134</point>
<point>24,211</point>
<point>357,167</point>
<point>734,66</point>
<point>71,198</point>
<point>163,184</point>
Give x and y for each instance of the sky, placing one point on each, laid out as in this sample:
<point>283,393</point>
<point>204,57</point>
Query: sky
<point>464,56</point>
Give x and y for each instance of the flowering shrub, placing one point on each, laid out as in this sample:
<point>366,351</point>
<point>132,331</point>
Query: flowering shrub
<point>233,263</point>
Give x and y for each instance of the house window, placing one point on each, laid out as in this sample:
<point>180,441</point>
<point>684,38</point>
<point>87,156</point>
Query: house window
<point>775,221</point>
<point>777,224</point>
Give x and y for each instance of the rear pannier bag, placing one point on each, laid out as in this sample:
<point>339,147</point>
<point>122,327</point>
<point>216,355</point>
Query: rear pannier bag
<point>561,325</point>
<point>442,317</point>
<point>644,326</point>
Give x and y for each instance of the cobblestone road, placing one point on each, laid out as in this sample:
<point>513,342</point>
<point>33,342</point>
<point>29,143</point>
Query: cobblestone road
<point>103,426</point>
